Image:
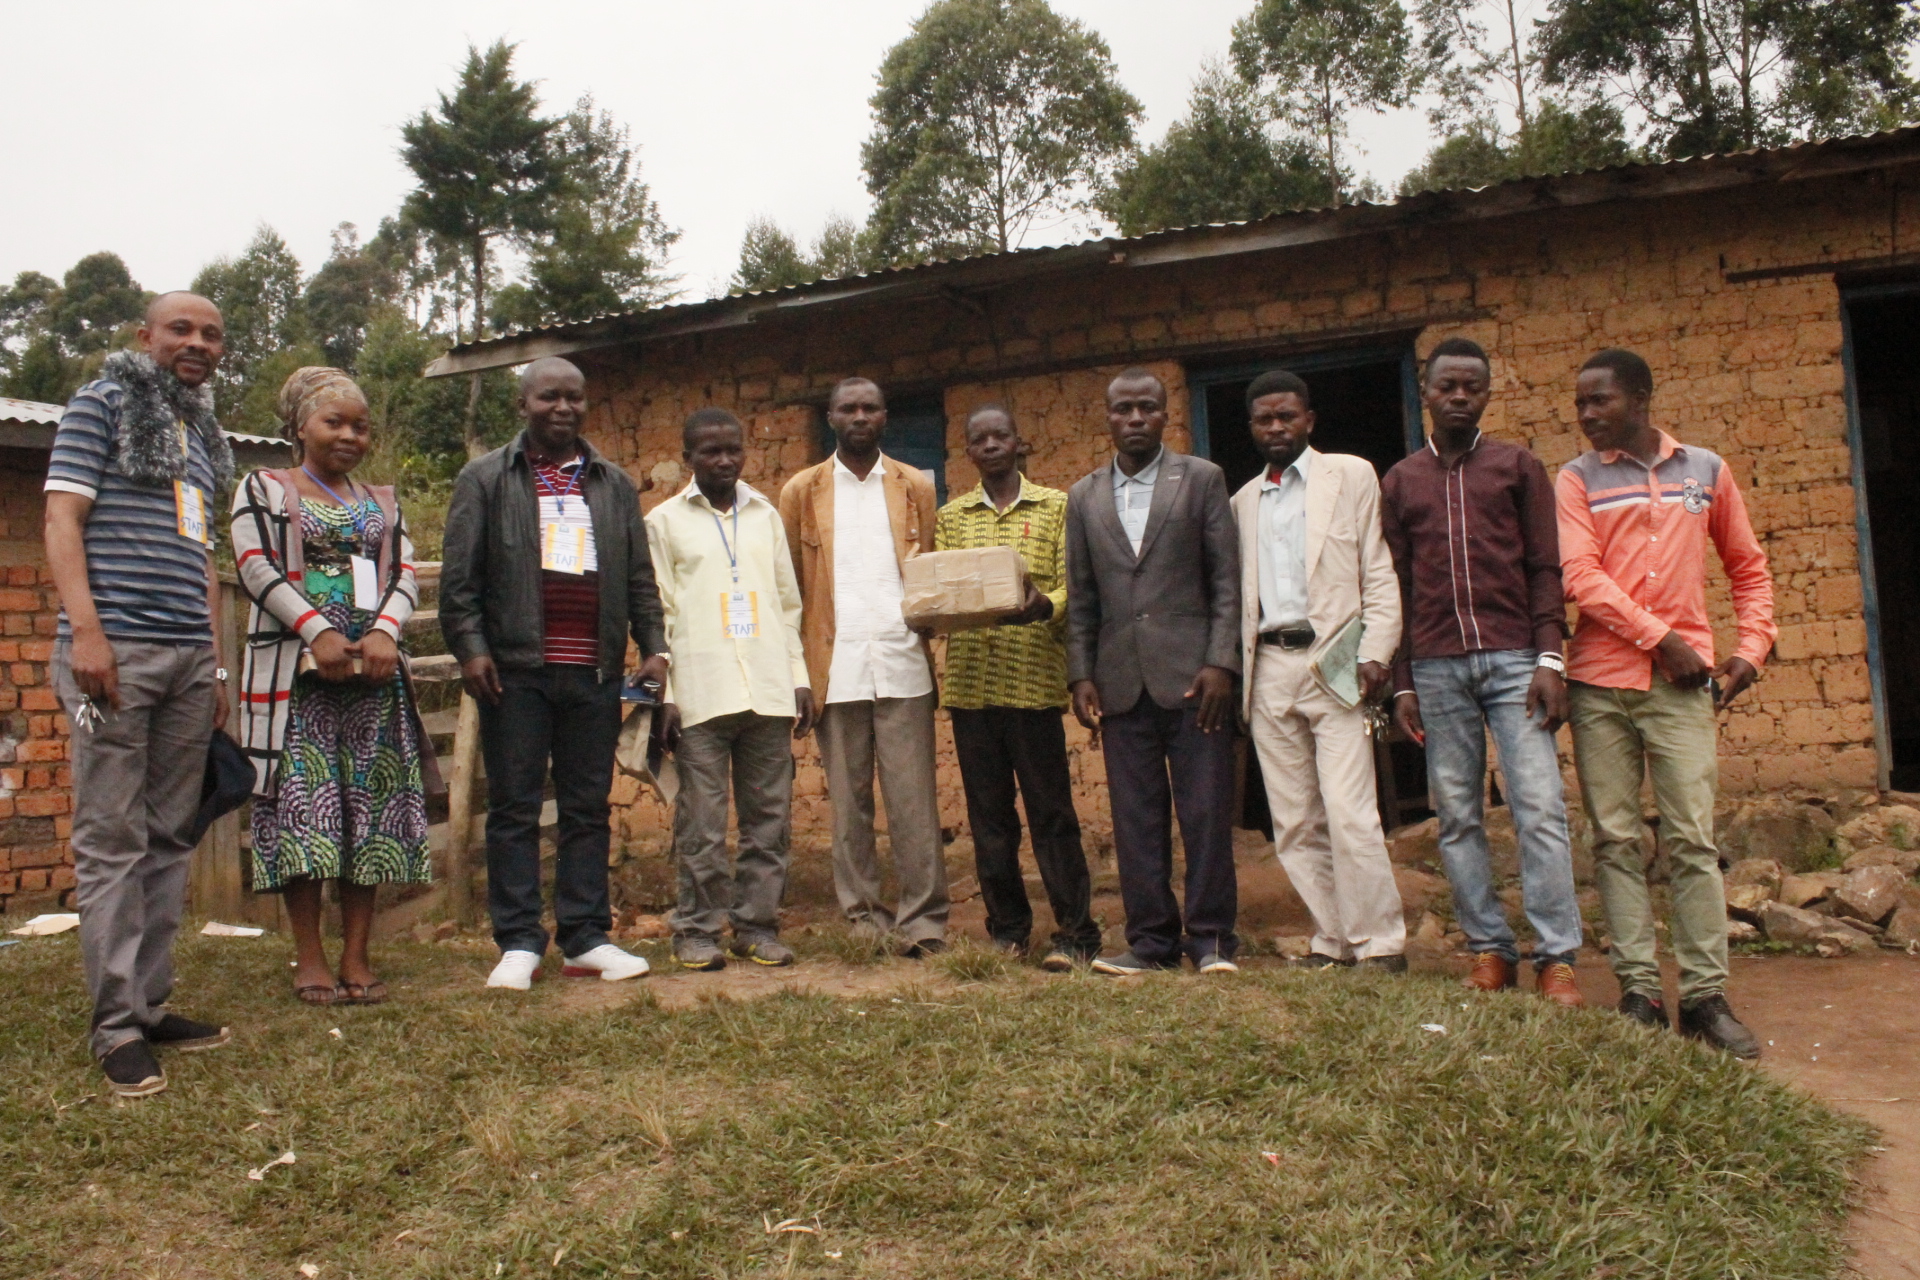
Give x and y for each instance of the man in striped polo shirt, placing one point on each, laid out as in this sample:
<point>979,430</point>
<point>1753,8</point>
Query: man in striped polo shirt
<point>1635,517</point>
<point>136,463</point>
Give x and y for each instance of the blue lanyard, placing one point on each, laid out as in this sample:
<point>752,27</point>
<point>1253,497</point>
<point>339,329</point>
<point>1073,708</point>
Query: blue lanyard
<point>354,510</point>
<point>572,484</point>
<point>733,555</point>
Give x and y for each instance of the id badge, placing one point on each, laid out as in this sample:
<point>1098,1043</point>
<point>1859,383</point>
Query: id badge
<point>563,548</point>
<point>740,611</point>
<point>366,584</point>
<point>190,512</point>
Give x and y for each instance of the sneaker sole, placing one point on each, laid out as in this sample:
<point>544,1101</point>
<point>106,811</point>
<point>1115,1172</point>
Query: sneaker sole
<point>145,1089</point>
<point>574,971</point>
<point>1115,971</point>
<point>1058,964</point>
<point>1221,966</point>
<point>704,966</point>
<point>771,964</point>
<point>193,1046</point>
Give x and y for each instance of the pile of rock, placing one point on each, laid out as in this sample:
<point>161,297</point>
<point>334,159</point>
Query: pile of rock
<point>1872,901</point>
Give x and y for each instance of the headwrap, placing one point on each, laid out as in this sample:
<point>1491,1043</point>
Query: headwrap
<point>307,390</point>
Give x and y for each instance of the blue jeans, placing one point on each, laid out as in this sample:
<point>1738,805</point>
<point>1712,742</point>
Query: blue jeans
<point>1460,697</point>
<point>569,716</point>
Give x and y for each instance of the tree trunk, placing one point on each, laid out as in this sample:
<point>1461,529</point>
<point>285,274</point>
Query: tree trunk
<point>472,430</point>
<point>1702,68</point>
<point>1333,160</point>
<point>1520,87</point>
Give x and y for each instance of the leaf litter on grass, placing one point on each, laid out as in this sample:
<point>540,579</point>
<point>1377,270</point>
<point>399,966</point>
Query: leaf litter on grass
<point>1018,1127</point>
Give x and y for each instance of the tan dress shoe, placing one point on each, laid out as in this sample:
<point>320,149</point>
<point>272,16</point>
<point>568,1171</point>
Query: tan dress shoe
<point>1491,972</point>
<point>1557,984</point>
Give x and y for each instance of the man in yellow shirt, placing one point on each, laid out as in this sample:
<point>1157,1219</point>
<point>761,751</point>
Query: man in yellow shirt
<point>1006,689</point>
<point>737,697</point>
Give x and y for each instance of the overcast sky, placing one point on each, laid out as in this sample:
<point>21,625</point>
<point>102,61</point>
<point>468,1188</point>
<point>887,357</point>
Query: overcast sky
<point>168,133</point>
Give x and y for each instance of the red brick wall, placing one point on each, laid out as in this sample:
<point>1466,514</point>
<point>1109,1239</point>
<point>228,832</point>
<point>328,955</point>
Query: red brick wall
<point>36,869</point>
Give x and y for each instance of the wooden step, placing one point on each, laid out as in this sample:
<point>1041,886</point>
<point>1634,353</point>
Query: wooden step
<point>438,668</point>
<point>424,619</point>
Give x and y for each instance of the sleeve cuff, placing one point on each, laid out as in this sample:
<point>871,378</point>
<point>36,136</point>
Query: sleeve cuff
<point>311,625</point>
<point>802,679</point>
<point>1757,659</point>
<point>71,486</point>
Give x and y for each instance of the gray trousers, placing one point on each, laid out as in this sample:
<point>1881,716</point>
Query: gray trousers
<point>752,756</point>
<point>136,789</point>
<point>897,734</point>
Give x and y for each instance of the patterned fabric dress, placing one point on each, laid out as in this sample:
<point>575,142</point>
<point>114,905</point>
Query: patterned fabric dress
<point>350,804</point>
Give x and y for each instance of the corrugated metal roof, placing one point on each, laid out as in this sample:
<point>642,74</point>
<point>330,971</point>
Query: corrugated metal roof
<point>34,411</point>
<point>950,276</point>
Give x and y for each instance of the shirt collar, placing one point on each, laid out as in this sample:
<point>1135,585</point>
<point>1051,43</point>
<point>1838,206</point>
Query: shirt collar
<point>977,496</point>
<point>744,494</point>
<point>1145,475</point>
<point>1668,447</point>
<point>1299,466</point>
<point>1477,434</point>
<point>842,469</point>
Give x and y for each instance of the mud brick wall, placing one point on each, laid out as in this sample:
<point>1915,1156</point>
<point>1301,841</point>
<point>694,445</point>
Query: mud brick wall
<point>36,869</point>
<point>1751,369</point>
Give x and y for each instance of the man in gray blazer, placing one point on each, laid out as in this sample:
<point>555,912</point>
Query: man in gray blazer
<point>1153,647</point>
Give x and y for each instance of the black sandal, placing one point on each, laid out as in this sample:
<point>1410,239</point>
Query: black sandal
<point>321,993</point>
<point>374,992</point>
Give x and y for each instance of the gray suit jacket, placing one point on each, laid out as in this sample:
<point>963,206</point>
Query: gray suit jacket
<point>1150,623</point>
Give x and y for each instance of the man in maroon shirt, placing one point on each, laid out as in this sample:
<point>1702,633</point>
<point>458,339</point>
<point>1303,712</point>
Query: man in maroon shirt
<point>1472,528</point>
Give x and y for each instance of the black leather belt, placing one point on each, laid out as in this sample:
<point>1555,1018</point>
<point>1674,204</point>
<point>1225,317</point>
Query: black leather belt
<point>1288,637</point>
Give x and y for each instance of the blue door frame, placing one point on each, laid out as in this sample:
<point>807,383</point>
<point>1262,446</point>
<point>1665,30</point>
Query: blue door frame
<point>1198,380</point>
<point>1863,525</point>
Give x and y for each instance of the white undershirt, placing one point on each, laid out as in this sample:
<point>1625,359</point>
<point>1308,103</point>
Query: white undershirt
<point>874,654</point>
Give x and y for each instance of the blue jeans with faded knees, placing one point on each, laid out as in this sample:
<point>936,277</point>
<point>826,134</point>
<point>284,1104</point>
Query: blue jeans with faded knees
<point>1460,699</point>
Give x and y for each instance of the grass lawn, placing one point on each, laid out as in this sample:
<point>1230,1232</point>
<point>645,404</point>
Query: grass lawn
<point>983,1123</point>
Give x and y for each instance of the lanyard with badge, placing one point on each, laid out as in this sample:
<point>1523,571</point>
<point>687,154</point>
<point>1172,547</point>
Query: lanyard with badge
<point>366,579</point>
<point>190,503</point>
<point>563,547</point>
<point>739,610</point>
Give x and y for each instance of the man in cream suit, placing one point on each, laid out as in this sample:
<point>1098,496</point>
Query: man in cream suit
<point>1313,558</point>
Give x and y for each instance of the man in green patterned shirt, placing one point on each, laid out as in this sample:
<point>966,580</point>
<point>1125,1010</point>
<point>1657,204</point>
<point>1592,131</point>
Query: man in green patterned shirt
<point>1006,689</point>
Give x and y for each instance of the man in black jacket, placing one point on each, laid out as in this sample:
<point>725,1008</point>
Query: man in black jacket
<point>546,572</point>
<point>1153,648</point>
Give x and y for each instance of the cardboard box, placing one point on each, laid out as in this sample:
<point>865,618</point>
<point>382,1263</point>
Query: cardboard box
<point>958,590</point>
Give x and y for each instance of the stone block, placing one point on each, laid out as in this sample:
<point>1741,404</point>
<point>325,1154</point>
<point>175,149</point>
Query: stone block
<point>1798,836</point>
<point>1798,928</point>
<point>1764,872</point>
<point>1804,890</point>
<point>1903,930</point>
<point>1887,824</point>
<point>1746,901</point>
<point>1412,845</point>
<point>1906,861</point>
<point>1869,894</point>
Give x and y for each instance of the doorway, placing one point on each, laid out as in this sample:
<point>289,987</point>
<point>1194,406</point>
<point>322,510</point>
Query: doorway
<point>916,435</point>
<point>1366,401</point>
<point>1883,326</point>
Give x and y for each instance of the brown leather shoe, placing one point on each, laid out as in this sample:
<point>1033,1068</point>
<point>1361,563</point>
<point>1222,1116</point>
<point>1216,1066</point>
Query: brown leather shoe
<point>1555,982</point>
<point>1491,972</point>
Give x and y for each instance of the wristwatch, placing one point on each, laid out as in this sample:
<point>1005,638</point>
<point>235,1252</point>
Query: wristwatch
<point>1553,662</point>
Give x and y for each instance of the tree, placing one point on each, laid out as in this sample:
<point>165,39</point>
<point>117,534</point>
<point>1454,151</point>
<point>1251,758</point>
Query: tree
<point>54,336</point>
<point>1728,75</point>
<point>770,258</point>
<point>990,116</point>
<point>1324,60</point>
<point>258,294</point>
<point>605,249</point>
<point>486,170</point>
<point>343,294</point>
<point>1219,164</point>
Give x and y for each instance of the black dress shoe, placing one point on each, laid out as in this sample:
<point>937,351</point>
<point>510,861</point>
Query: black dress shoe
<point>925,947</point>
<point>1314,960</point>
<point>1644,1009</point>
<point>1711,1021</point>
<point>176,1032</point>
<point>1385,964</point>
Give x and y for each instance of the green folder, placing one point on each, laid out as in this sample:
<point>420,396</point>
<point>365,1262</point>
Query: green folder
<point>1338,666</point>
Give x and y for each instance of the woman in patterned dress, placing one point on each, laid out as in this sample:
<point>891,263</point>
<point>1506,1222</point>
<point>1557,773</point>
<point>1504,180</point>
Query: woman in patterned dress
<point>328,717</point>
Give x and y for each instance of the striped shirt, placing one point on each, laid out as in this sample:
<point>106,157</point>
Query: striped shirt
<point>1633,551</point>
<point>570,601</point>
<point>1023,666</point>
<point>149,583</point>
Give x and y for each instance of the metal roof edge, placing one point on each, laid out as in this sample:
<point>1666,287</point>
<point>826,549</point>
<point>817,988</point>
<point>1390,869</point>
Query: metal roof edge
<point>1647,180</point>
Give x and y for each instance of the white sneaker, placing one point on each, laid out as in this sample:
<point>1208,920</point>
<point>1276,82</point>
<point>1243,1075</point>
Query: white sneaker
<point>607,961</point>
<point>517,969</point>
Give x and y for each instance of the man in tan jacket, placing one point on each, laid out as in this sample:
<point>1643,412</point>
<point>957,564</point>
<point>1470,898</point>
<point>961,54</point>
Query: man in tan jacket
<point>871,676</point>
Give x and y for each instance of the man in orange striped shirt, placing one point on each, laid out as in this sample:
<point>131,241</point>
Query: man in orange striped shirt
<point>1635,517</point>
